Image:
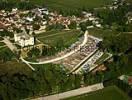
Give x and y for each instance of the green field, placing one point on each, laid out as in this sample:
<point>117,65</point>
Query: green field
<point>101,33</point>
<point>66,38</point>
<point>108,93</point>
<point>70,5</point>
<point>74,4</point>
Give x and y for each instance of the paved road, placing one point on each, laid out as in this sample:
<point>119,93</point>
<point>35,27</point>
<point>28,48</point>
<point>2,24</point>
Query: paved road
<point>9,44</point>
<point>72,93</point>
<point>62,57</point>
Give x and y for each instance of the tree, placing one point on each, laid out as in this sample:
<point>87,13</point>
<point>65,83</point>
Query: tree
<point>73,25</point>
<point>34,52</point>
<point>36,27</point>
<point>83,26</point>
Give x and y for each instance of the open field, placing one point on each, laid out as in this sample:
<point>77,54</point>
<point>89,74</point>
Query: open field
<point>69,6</point>
<point>74,4</point>
<point>108,93</point>
<point>66,38</point>
<point>101,33</point>
<point>44,34</point>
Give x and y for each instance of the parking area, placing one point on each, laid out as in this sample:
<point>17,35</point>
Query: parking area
<point>76,59</point>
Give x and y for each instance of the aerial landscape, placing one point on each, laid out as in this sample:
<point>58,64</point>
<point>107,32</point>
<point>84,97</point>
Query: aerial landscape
<point>65,49</point>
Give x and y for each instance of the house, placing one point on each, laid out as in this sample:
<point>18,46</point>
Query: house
<point>14,10</point>
<point>29,19</point>
<point>98,25</point>
<point>86,14</point>
<point>23,39</point>
<point>91,18</point>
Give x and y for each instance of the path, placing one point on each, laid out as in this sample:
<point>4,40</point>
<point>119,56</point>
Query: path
<point>9,44</point>
<point>72,93</point>
<point>30,66</point>
<point>62,57</point>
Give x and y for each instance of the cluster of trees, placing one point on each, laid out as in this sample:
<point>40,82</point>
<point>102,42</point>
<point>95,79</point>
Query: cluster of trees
<point>73,25</point>
<point>115,18</point>
<point>117,44</point>
<point>48,51</point>
<point>47,79</point>
<point>84,25</point>
<point>34,52</point>
<point>36,27</point>
<point>120,45</point>
<point>51,50</point>
<point>6,33</point>
<point>5,55</point>
<point>57,26</point>
<point>121,48</point>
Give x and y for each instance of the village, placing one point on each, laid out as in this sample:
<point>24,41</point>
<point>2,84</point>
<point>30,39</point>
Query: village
<point>25,25</point>
<point>65,49</point>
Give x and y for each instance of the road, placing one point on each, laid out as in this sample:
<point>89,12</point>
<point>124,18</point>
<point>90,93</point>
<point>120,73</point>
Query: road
<point>9,44</point>
<point>62,57</point>
<point>72,93</point>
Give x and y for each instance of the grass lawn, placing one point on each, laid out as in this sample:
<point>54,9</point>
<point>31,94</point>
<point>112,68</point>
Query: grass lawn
<point>74,4</point>
<point>101,33</point>
<point>65,37</point>
<point>44,34</point>
<point>108,93</point>
<point>70,6</point>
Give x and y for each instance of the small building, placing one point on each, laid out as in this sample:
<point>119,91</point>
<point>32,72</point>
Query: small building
<point>23,39</point>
